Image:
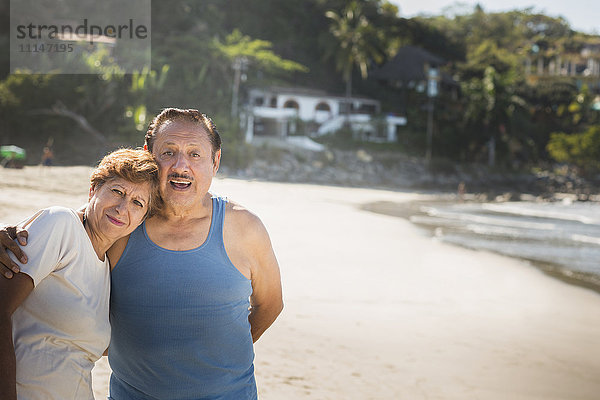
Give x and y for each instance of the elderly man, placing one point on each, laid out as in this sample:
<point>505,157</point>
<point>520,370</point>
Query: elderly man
<point>195,285</point>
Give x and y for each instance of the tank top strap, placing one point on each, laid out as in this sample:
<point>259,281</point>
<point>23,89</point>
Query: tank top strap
<point>139,233</point>
<point>218,219</point>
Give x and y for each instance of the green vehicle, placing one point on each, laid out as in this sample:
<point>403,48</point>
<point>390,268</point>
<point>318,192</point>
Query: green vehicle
<point>12,156</point>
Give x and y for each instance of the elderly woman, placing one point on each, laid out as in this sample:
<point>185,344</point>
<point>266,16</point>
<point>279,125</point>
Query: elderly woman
<point>54,314</point>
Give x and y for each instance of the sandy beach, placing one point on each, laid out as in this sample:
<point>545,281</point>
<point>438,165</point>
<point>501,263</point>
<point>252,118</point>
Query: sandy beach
<point>377,310</point>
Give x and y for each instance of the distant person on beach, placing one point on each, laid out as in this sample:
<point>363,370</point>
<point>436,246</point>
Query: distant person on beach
<point>195,285</point>
<point>47,157</point>
<point>54,321</point>
<point>461,190</point>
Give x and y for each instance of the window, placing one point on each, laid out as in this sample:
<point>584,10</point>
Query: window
<point>323,107</point>
<point>291,104</point>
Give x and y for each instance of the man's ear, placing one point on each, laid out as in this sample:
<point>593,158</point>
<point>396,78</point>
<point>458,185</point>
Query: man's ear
<point>92,190</point>
<point>217,162</point>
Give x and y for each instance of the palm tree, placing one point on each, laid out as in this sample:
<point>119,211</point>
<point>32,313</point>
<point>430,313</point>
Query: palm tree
<point>355,44</point>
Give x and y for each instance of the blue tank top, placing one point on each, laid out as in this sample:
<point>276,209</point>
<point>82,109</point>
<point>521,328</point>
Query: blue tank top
<point>179,321</point>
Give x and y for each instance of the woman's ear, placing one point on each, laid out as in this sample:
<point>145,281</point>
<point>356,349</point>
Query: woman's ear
<point>92,190</point>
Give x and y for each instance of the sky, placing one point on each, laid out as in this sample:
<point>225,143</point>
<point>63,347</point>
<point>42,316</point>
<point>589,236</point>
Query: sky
<point>582,15</point>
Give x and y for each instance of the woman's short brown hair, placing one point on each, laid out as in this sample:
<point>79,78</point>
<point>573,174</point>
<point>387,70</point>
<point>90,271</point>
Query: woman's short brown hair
<point>133,165</point>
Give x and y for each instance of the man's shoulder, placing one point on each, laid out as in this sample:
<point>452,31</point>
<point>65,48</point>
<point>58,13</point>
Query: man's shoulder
<point>244,224</point>
<point>240,216</point>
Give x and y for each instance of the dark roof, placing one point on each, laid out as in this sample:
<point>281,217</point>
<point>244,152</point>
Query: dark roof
<point>407,65</point>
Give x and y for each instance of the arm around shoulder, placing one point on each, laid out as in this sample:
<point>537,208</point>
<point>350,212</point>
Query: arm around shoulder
<point>7,243</point>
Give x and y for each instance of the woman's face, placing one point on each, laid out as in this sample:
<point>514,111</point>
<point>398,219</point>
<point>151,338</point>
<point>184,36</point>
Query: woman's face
<point>117,207</point>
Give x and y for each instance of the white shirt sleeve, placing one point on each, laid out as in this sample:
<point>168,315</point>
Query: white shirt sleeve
<point>50,231</point>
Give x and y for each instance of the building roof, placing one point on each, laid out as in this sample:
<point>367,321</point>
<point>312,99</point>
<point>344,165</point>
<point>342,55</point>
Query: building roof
<point>408,65</point>
<point>302,91</point>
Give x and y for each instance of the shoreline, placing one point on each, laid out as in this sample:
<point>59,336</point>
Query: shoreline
<point>406,210</point>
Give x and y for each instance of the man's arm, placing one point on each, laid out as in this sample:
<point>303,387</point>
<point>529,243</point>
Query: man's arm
<point>13,294</point>
<point>267,300</point>
<point>249,248</point>
<point>8,234</point>
<point>7,243</point>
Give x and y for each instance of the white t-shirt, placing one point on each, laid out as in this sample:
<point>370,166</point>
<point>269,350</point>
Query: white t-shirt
<point>62,327</point>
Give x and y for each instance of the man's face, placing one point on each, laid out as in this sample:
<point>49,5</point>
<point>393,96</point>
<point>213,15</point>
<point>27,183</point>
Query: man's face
<point>184,155</point>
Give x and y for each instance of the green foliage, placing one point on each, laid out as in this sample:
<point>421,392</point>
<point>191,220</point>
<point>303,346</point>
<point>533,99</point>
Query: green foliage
<point>258,51</point>
<point>496,100</point>
<point>145,86</point>
<point>490,88</point>
<point>580,149</point>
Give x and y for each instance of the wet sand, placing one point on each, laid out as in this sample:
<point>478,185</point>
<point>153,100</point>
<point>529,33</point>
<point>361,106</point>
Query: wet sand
<point>376,310</point>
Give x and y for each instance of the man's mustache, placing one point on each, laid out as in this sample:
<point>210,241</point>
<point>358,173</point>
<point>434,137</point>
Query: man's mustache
<point>180,176</point>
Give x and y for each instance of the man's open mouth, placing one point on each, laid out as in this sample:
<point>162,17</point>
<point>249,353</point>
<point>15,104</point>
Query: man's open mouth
<point>179,184</point>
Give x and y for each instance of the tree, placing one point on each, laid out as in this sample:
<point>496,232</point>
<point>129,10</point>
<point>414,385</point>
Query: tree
<point>240,50</point>
<point>356,43</point>
<point>580,149</point>
<point>489,87</point>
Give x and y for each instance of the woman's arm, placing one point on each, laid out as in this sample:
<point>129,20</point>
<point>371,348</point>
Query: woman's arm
<point>13,294</point>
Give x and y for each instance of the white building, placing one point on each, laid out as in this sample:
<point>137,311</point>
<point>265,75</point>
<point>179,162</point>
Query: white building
<point>277,112</point>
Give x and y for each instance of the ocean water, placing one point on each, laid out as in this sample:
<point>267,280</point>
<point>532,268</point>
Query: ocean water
<point>562,238</point>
